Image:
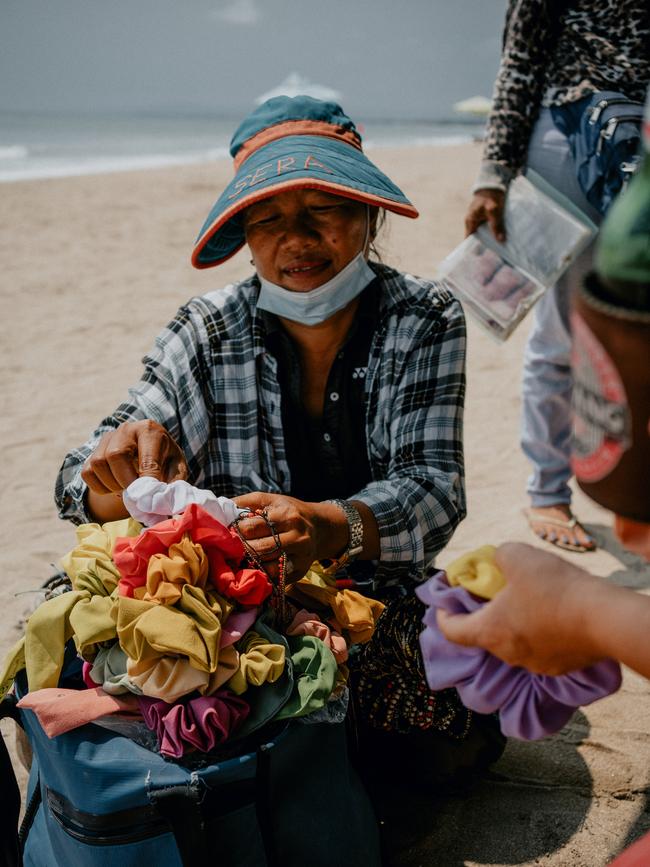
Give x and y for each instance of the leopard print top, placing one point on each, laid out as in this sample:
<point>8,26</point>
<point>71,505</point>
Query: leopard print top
<point>558,52</point>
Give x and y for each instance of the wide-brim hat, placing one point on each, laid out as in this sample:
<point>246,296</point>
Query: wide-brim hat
<point>292,143</point>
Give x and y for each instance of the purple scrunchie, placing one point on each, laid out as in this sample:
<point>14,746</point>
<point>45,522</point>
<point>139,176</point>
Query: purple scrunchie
<point>530,705</point>
<point>198,724</point>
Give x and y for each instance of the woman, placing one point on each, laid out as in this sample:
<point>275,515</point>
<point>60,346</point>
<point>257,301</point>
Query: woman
<point>554,54</point>
<point>326,390</point>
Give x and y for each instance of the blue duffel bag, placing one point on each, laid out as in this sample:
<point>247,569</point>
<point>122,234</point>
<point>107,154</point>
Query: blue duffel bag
<point>287,795</point>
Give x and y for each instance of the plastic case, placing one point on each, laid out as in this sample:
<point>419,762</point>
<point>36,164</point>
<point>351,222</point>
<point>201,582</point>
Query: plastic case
<point>499,283</point>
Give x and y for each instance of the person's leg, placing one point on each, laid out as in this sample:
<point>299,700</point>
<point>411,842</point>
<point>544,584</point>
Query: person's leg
<point>546,416</point>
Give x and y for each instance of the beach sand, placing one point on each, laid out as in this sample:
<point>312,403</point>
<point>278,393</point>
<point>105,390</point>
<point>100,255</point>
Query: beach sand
<point>92,267</point>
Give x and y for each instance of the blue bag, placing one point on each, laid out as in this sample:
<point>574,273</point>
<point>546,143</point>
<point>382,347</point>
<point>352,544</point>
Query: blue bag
<point>286,795</point>
<point>604,133</point>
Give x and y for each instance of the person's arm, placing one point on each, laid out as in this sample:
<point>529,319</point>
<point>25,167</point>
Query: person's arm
<point>518,90</point>
<point>553,617</point>
<point>420,390</point>
<point>134,449</point>
<point>172,394</point>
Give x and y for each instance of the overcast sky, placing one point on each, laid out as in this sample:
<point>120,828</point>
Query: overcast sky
<point>389,58</point>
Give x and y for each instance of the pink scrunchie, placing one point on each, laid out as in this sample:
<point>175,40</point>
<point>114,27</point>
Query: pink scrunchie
<point>306,623</point>
<point>198,724</point>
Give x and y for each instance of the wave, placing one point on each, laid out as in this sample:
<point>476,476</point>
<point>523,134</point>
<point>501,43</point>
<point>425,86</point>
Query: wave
<point>49,168</point>
<point>13,152</point>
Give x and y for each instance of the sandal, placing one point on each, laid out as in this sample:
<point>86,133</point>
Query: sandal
<point>534,517</point>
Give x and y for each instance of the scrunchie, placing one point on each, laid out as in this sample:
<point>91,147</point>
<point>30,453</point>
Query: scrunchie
<point>151,501</point>
<point>222,547</point>
<point>259,662</point>
<point>306,623</point>
<point>184,563</point>
<point>169,678</point>
<point>530,705</point>
<point>197,724</point>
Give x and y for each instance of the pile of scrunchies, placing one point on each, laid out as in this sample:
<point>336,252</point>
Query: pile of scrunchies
<point>175,630</point>
<point>530,706</point>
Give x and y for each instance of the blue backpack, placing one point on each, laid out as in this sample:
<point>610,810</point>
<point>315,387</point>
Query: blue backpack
<point>287,795</point>
<point>604,134</point>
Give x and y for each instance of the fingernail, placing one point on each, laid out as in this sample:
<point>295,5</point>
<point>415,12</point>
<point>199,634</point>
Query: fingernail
<point>553,537</point>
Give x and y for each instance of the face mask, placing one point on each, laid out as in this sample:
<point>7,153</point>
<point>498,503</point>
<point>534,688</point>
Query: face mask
<point>317,305</point>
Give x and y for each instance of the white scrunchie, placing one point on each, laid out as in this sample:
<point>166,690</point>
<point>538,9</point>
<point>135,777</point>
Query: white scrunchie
<point>150,501</point>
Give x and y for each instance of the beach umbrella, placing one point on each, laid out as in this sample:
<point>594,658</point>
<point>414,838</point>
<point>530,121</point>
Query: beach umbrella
<point>296,84</point>
<point>477,105</point>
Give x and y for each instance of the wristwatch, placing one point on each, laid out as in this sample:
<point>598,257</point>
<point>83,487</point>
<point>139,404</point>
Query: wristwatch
<point>355,542</point>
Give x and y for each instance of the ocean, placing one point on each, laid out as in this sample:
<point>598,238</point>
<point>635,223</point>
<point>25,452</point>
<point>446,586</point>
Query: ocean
<point>54,146</point>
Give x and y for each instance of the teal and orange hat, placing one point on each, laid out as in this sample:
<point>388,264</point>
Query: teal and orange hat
<point>291,143</point>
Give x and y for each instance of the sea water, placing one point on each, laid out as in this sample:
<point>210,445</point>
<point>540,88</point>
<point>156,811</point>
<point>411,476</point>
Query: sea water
<point>55,145</point>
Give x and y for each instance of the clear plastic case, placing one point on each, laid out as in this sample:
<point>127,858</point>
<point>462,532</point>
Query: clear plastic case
<point>499,283</point>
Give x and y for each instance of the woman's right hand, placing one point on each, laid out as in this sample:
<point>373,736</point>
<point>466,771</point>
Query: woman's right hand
<point>134,449</point>
<point>487,206</point>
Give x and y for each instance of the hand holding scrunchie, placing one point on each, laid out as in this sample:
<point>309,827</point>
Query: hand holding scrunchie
<point>530,705</point>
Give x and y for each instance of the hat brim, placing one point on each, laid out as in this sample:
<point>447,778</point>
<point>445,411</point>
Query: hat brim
<point>293,162</point>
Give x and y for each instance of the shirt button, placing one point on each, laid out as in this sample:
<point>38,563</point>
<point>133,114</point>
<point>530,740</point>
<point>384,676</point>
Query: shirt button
<point>334,396</point>
<point>327,437</point>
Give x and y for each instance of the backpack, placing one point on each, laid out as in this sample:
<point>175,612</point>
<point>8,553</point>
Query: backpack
<point>604,133</point>
<point>286,795</point>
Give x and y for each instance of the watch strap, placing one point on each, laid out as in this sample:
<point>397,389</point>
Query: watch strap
<point>355,542</point>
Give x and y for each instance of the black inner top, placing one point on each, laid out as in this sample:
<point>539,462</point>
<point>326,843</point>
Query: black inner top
<point>327,456</point>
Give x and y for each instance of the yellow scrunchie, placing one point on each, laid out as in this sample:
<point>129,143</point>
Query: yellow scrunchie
<point>184,563</point>
<point>355,614</point>
<point>477,572</point>
<point>191,628</point>
<point>259,662</point>
<point>89,565</point>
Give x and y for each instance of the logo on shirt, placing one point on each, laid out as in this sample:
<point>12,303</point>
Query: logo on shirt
<point>359,372</point>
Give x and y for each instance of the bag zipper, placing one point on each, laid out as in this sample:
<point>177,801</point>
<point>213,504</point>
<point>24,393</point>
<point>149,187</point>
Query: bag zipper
<point>610,128</point>
<point>602,104</point>
<point>110,829</point>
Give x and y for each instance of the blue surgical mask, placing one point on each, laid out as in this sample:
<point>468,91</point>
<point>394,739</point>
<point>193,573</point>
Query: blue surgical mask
<point>317,305</point>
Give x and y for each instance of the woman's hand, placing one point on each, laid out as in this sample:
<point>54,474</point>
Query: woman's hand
<point>306,531</point>
<point>134,449</point>
<point>541,620</point>
<point>487,206</point>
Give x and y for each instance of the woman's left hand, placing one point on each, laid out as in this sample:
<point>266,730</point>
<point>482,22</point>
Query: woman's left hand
<point>306,531</point>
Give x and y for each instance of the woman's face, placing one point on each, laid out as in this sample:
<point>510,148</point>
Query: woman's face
<point>300,239</point>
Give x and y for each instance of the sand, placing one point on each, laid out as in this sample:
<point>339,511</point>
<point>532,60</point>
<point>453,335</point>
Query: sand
<point>92,267</point>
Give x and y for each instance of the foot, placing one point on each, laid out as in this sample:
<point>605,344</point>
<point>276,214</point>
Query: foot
<point>557,525</point>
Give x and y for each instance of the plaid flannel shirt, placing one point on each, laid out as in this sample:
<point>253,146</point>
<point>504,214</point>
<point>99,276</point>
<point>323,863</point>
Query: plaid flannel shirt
<point>211,382</point>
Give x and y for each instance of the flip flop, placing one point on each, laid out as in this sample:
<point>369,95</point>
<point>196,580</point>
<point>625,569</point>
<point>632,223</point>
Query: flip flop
<point>569,524</point>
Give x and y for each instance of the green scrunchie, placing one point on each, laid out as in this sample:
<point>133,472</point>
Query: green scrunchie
<point>314,671</point>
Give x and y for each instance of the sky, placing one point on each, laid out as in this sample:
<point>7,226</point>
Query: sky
<point>388,58</point>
